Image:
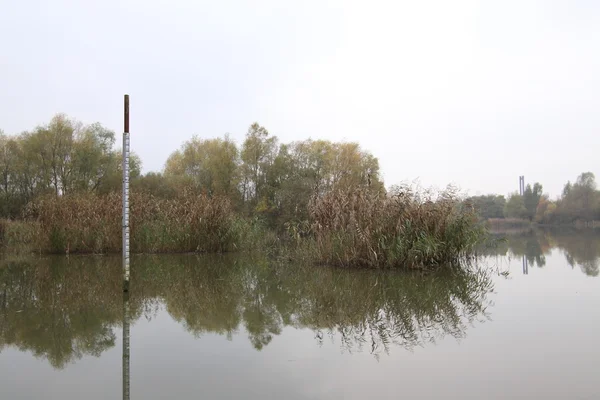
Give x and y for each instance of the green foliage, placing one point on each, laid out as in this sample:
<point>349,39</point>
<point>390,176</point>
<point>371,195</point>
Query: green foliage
<point>62,157</point>
<point>489,206</point>
<point>308,168</point>
<point>212,165</point>
<point>515,207</point>
<point>160,185</point>
<point>580,201</point>
<point>262,178</point>
<point>258,156</point>
<point>531,199</point>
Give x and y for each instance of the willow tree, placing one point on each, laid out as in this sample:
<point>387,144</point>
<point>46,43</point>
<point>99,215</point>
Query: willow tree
<point>257,155</point>
<point>212,165</point>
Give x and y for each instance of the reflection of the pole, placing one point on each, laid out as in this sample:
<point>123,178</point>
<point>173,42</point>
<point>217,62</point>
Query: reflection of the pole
<point>525,266</point>
<point>125,346</point>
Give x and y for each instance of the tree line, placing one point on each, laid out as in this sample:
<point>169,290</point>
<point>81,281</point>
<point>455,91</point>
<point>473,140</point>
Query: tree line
<point>262,177</point>
<point>579,201</point>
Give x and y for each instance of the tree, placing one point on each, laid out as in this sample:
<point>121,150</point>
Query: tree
<point>488,206</point>
<point>211,163</point>
<point>531,198</point>
<point>160,185</point>
<point>586,180</point>
<point>61,157</point>
<point>257,156</point>
<point>545,210</point>
<point>315,167</point>
<point>515,207</point>
<point>113,179</point>
<point>11,201</point>
<point>93,157</point>
<point>580,201</point>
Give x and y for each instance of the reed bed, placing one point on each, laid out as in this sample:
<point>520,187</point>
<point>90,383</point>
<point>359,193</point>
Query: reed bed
<point>19,237</point>
<point>360,228</point>
<point>405,229</point>
<point>89,223</point>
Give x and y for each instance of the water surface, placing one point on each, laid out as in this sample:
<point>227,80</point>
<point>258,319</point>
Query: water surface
<point>223,327</point>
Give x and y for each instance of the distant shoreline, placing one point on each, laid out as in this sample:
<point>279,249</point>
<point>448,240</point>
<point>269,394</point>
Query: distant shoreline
<point>516,224</point>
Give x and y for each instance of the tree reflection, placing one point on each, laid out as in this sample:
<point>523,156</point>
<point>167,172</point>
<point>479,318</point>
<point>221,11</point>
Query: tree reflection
<point>581,251</point>
<point>581,248</point>
<point>58,312</point>
<point>62,309</point>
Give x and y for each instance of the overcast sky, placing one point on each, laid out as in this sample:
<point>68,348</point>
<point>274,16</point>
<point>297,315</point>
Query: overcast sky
<point>463,92</point>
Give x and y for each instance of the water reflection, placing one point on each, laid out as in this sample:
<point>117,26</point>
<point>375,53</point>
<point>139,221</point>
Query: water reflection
<point>126,346</point>
<point>61,309</point>
<point>58,310</point>
<point>525,266</point>
<point>581,248</point>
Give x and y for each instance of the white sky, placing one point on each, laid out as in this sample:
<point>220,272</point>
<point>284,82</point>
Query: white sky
<point>464,92</point>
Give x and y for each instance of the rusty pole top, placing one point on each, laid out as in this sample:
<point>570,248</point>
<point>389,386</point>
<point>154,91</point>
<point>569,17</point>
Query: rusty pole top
<point>126,130</point>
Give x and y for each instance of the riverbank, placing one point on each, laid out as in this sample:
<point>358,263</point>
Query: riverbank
<point>358,229</point>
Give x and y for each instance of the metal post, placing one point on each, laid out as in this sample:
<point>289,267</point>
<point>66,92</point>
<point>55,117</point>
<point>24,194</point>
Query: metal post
<point>126,196</point>
<point>126,346</point>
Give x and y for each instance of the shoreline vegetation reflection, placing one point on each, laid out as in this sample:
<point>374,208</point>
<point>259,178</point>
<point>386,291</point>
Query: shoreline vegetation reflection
<point>62,309</point>
<point>581,248</point>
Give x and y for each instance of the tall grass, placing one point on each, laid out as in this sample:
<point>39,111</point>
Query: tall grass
<point>350,229</point>
<point>19,237</point>
<point>88,223</point>
<point>403,229</point>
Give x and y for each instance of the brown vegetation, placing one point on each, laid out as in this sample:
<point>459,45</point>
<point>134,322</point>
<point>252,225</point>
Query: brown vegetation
<point>90,223</point>
<point>405,229</point>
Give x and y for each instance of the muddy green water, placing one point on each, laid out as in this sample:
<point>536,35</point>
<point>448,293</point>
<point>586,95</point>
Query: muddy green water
<point>232,327</point>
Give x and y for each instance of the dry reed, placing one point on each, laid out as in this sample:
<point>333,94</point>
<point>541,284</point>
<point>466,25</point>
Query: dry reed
<point>403,229</point>
<point>88,223</point>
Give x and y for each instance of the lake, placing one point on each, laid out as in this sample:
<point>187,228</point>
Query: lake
<point>522,323</point>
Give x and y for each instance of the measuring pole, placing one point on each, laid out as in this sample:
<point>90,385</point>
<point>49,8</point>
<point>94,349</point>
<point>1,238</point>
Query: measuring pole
<point>126,196</point>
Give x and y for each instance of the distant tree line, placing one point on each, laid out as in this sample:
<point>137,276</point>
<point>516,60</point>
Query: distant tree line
<point>262,177</point>
<point>579,201</point>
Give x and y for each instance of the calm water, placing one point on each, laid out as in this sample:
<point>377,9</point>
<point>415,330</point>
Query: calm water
<point>231,327</point>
